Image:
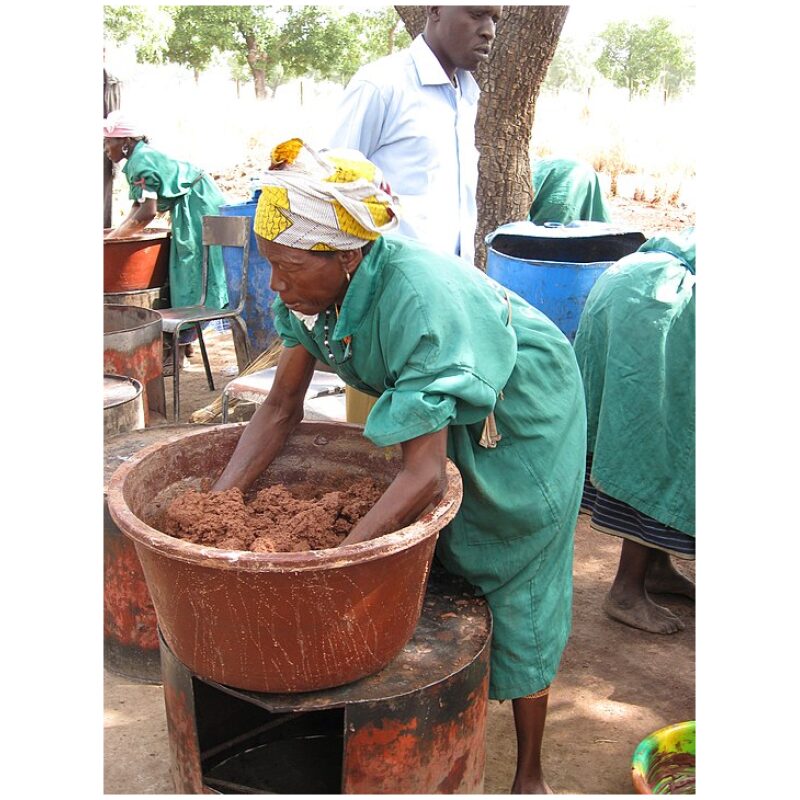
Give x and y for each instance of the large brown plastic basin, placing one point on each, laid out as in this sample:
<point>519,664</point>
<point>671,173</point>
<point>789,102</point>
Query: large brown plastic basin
<point>137,262</point>
<point>279,622</point>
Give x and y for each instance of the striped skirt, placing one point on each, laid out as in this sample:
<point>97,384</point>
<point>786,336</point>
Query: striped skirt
<point>609,515</point>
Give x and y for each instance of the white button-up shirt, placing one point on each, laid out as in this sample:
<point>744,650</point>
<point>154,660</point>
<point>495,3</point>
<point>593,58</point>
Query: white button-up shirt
<point>403,113</point>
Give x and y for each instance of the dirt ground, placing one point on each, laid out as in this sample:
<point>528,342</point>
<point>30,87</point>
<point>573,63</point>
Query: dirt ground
<point>616,684</point>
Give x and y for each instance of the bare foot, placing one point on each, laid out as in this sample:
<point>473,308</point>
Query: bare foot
<point>534,787</point>
<point>641,612</point>
<point>663,578</point>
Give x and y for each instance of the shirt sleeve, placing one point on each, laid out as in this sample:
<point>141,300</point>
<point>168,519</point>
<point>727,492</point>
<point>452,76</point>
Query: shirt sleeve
<point>144,181</point>
<point>427,404</point>
<point>360,116</point>
<point>438,372</point>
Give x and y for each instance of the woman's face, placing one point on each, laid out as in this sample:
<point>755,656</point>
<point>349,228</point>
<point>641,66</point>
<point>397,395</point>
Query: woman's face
<point>306,281</point>
<point>113,148</point>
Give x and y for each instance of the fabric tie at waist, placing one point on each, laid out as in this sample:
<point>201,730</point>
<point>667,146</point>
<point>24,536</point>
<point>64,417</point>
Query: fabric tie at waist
<point>489,436</point>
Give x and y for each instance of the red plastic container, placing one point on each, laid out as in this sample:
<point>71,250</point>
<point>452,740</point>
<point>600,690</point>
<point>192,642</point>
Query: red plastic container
<point>279,622</point>
<point>137,262</point>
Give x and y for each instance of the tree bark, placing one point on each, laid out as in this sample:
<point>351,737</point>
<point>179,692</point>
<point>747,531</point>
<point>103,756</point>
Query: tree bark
<point>255,60</point>
<point>527,37</point>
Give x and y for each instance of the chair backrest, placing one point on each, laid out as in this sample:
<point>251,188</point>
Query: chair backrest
<point>227,232</point>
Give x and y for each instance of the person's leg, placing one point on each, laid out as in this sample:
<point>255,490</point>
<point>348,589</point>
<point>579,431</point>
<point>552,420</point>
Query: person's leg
<point>627,600</point>
<point>530,714</point>
<point>663,577</point>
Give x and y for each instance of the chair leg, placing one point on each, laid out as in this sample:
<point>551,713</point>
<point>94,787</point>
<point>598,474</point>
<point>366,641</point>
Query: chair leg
<point>224,406</point>
<point>207,366</point>
<point>176,374</point>
<point>240,342</point>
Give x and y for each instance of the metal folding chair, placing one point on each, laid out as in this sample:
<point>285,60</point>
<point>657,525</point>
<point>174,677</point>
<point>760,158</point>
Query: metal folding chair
<point>324,398</point>
<point>225,232</point>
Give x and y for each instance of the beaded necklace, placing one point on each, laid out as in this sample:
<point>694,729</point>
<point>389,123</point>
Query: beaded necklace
<point>348,353</point>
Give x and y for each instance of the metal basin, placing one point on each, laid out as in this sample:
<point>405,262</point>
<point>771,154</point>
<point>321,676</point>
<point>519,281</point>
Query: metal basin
<point>136,262</point>
<point>278,622</point>
<point>123,408</point>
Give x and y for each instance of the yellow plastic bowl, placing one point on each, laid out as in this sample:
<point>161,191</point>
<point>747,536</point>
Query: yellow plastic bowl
<point>664,761</point>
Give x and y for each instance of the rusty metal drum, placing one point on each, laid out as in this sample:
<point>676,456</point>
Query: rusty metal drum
<point>123,409</point>
<point>130,637</point>
<point>416,727</point>
<point>279,622</point>
<point>132,348</point>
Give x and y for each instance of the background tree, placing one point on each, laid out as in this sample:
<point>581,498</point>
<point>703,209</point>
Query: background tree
<point>321,43</point>
<point>147,27</point>
<point>275,43</point>
<point>239,70</point>
<point>572,67</point>
<point>638,58</point>
<point>527,37</point>
<point>384,32</point>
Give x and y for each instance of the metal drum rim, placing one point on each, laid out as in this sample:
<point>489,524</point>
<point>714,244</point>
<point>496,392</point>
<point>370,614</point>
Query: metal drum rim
<point>571,265</point>
<point>155,317</point>
<point>137,384</point>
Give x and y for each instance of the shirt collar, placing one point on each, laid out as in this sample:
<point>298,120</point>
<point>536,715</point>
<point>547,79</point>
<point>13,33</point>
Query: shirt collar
<point>430,72</point>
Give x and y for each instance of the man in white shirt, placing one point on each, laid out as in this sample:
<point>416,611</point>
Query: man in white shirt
<point>413,114</point>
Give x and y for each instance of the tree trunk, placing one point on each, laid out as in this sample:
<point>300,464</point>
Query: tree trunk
<point>260,83</point>
<point>526,41</point>
<point>256,61</point>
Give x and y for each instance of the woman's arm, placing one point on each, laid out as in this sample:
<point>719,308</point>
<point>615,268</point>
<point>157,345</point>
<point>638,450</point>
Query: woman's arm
<point>140,216</point>
<point>421,481</point>
<point>264,436</point>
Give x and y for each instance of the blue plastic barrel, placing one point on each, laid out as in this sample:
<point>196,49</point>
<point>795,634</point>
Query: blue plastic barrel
<point>257,310</point>
<point>554,266</point>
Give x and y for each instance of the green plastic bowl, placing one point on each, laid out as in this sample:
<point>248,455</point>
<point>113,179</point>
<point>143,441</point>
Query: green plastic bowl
<point>663,762</point>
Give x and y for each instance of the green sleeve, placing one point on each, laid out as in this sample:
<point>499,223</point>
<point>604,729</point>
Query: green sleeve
<point>448,356</point>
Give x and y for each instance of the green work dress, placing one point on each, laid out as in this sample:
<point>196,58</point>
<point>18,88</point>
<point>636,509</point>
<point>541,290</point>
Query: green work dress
<point>565,191</point>
<point>188,194</point>
<point>635,347</point>
<point>432,338</point>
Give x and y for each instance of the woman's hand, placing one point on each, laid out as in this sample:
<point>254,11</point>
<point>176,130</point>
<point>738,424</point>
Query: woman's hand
<point>264,436</point>
<point>421,482</point>
<point>139,217</point>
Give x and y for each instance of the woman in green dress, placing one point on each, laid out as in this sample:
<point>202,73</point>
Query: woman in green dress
<point>159,183</point>
<point>565,190</point>
<point>635,347</point>
<point>461,368</point>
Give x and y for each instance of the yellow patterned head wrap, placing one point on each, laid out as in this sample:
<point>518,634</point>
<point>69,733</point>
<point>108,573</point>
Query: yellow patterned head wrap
<point>332,200</point>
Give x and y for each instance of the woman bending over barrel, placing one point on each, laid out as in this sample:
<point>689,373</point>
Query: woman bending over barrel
<point>460,368</point>
<point>159,183</point>
<point>635,350</point>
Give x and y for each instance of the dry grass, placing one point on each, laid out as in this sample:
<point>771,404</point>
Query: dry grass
<point>643,149</point>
